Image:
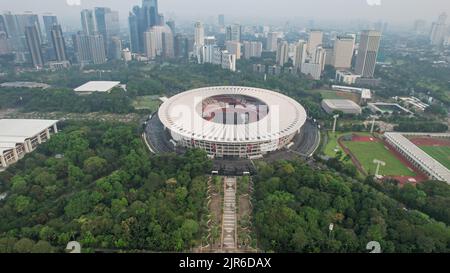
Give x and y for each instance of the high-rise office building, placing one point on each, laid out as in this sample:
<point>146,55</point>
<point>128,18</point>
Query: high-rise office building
<point>159,42</point>
<point>300,54</point>
<point>315,40</point>
<point>97,49</point>
<point>89,48</point>
<point>343,52</point>
<point>150,13</point>
<point>140,20</point>
<point>252,49</point>
<point>108,26</point>
<point>234,33</point>
<point>221,20</point>
<point>282,53</point>
<point>29,19</point>
<point>367,53</point>
<point>439,30</point>
<point>49,21</point>
<point>199,35</point>
<point>59,45</point>
<point>234,48</point>
<point>115,48</point>
<point>4,43</point>
<point>171,24</point>
<point>136,40</point>
<point>272,41</point>
<point>88,22</point>
<point>34,46</point>
<point>181,46</point>
<point>228,61</point>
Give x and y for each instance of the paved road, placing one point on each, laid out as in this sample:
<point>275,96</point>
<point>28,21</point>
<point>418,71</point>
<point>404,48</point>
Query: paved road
<point>229,215</point>
<point>308,140</point>
<point>156,136</point>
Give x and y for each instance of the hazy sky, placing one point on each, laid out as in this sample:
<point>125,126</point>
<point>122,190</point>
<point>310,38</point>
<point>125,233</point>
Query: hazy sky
<point>389,10</point>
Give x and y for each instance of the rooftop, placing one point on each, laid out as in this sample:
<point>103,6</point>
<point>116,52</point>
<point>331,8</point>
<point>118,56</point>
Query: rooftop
<point>17,130</point>
<point>341,104</point>
<point>97,86</point>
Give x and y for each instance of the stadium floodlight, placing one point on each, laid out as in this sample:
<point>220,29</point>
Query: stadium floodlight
<point>378,162</point>
<point>373,124</point>
<point>335,121</point>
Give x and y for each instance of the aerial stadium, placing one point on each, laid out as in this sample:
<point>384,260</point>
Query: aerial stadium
<point>232,121</point>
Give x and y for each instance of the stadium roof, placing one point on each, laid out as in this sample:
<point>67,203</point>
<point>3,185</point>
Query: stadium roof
<point>17,130</point>
<point>434,167</point>
<point>97,86</point>
<point>182,114</point>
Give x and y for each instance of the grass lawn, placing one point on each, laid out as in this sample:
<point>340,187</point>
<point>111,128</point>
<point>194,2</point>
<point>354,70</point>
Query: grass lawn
<point>146,102</point>
<point>366,152</point>
<point>441,154</point>
<point>332,143</point>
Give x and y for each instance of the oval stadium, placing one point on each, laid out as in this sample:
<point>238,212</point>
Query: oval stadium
<point>232,121</point>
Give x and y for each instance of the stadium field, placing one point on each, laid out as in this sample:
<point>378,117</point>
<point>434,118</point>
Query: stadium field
<point>440,153</point>
<point>366,152</point>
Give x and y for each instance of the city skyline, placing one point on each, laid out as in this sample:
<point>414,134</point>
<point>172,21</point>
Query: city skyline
<point>283,10</point>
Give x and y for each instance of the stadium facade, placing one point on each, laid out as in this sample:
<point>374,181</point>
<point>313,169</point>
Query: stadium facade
<point>232,121</point>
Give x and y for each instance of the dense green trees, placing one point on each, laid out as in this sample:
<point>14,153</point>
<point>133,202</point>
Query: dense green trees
<point>106,191</point>
<point>293,210</point>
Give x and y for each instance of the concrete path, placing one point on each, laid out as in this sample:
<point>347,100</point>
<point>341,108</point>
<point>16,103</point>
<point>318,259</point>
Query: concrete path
<point>229,225</point>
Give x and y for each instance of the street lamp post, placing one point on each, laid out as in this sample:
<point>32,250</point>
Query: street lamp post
<point>335,122</point>
<point>373,124</point>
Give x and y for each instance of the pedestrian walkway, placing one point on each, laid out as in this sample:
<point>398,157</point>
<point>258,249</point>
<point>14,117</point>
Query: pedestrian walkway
<point>229,215</point>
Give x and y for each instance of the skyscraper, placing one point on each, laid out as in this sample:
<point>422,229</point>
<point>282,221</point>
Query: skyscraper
<point>171,24</point>
<point>282,53</point>
<point>59,45</point>
<point>234,48</point>
<point>88,22</point>
<point>29,19</point>
<point>272,41</point>
<point>234,33</point>
<point>252,49</point>
<point>97,49</point>
<point>221,20</point>
<point>89,48</point>
<point>181,46</point>
<point>34,46</point>
<point>300,54</point>
<point>367,53</point>
<point>150,13</point>
<point>49,21</point>
<point>82,48</point>
<point>315,40</point>
<point>107,24</point>
<point>135,36</point>
<point>115,48</point>
<point>199,35</point>
<point>159,42</point>
<point>343,52</point>
<point>438,30</point>
<point>140,20</point>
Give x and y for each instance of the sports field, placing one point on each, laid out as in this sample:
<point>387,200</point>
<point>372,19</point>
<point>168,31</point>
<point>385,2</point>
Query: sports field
<point>367,151</point>
<point>440,153</point>
<point>332,94</point>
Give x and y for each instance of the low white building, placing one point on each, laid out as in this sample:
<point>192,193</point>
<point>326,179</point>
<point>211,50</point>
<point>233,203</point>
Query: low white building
<point>347,77</point>
<point>342,105</point>
<point>96,86</point>
<point>21,136</point>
